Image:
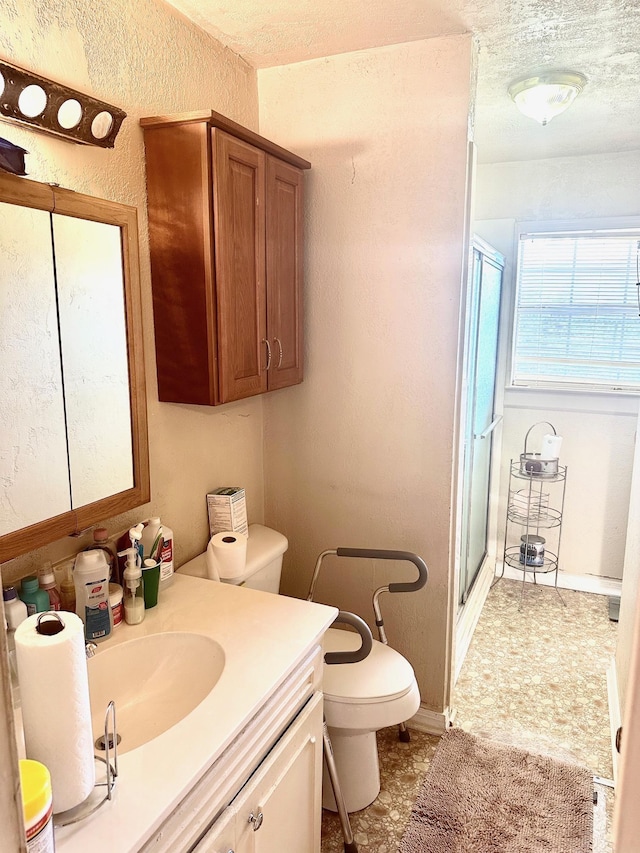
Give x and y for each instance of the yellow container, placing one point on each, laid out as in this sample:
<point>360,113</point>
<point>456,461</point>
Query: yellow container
<point>37,806</point>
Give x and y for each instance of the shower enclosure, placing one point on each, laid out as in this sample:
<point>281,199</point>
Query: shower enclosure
<point>479,413</point>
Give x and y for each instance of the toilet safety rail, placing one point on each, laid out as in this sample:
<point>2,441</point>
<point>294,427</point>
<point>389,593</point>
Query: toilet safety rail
<point>346,657</point>
<point>365,635</point>
<point>330,658</point>
<point>377,554</point>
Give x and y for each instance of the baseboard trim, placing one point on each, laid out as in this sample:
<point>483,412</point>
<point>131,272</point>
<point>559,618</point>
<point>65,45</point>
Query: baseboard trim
<point>431,722</point>
<point>615,717</point>
<point>579,583</point>
<point>469,615</point>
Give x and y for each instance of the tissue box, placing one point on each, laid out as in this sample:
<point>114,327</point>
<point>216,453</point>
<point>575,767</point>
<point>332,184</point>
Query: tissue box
<point>227,510</point>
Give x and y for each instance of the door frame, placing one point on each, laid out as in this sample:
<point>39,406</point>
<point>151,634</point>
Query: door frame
<point>466,616</point>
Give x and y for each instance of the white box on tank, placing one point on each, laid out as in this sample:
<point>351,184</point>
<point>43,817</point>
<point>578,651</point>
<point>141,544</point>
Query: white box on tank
<point>227,509</point>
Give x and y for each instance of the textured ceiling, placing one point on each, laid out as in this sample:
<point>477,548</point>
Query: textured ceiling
<point>599,38</point>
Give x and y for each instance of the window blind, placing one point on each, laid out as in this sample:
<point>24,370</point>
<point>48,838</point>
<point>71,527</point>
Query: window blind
<point>577,321</point>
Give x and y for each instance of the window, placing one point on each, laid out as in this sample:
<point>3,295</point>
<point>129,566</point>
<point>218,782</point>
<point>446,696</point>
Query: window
<point>577,319</point>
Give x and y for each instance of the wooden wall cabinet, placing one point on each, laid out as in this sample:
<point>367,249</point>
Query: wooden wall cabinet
<point>225,231</point>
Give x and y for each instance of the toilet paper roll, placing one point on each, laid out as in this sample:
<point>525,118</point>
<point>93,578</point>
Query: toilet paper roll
<point>56,713</point>
<point>551,445</point>
<point>226,555</point>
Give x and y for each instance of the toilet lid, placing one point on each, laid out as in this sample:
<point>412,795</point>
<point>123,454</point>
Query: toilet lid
<point>382,676</point>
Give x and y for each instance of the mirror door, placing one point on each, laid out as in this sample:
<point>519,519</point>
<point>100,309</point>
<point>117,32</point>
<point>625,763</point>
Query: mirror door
<point>73,423</point>
<point>33,448</point>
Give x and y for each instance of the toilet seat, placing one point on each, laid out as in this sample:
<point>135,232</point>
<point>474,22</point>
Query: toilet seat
<point>383,676</point>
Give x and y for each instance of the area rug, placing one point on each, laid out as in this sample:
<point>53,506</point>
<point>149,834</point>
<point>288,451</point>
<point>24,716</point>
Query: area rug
<point>485,797</point>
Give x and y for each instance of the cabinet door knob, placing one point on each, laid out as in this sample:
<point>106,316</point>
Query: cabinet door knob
<point>256,820</point>
<point>265,341</point>
<point>277,340</point>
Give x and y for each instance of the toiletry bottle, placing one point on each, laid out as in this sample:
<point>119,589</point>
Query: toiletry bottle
<point>101,541</point>
<point>166,557</point>
<point>133,588</point>
<point>68,591</point>
<point>37,806</point>
<point>152,536</point>
<point>91,575</point>
<point>15,612</point>
<point>157,543</point>
<point>48,584</point>
<point>36,599</point>
<point>115,602</point>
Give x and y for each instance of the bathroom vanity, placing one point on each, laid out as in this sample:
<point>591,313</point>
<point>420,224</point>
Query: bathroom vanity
<point>242,771</point>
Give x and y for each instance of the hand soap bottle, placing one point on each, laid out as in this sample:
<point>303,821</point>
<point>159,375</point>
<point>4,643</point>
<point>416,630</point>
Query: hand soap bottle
<point>133,586</point>
<point>91,577</point>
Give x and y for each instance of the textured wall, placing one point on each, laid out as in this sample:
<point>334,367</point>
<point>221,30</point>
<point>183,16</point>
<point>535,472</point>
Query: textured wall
<point>361,453</point>
<point>598,429</point>
<point>147,59</point>
<point>560,188</point>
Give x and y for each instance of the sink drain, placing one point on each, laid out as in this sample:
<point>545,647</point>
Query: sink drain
<point>102,744</point>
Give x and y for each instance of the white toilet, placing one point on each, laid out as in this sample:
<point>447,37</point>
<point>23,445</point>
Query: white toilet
<point>359,698</point>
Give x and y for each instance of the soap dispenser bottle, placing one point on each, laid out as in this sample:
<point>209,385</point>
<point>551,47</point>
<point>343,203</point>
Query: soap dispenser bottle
<point>91,577</point>
<point>133,588</point>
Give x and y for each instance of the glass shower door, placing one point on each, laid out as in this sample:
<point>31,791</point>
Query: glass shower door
<point>480,416</point>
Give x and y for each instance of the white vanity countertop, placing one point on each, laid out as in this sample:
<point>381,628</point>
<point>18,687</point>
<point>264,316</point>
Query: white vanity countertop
<point>264,636</point>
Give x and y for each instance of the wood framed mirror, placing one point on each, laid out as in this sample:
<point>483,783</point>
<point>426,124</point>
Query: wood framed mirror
<point>73,417</point>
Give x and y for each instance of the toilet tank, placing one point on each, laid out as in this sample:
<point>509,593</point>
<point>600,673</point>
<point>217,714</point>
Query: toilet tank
<point>265,549</point>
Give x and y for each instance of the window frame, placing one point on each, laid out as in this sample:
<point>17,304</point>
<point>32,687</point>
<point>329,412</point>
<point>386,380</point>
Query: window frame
<point>569,226</point>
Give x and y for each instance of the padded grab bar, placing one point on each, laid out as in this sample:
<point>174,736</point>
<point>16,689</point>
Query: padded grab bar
<point>377,554</point>
<point>365,634</point>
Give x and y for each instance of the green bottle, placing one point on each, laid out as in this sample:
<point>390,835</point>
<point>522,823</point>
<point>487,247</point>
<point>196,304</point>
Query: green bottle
<point>36,599</point>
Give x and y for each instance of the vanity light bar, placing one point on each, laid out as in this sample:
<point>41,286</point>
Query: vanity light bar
<point>53,108</point>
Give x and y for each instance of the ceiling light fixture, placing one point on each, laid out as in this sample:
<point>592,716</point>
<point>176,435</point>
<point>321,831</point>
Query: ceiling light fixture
<point>544,96</point>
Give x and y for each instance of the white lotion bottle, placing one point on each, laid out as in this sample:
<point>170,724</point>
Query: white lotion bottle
<point>91,580</point>
<point>133,588</point>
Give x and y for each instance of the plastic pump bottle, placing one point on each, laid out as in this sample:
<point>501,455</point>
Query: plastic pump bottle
<point>135,537</point>
<point>91,576</point>
<point>48,584</point>
<point>133,595</point>
<point>68,592</point>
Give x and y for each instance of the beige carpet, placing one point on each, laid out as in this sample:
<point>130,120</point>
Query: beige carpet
<point>480,796</point>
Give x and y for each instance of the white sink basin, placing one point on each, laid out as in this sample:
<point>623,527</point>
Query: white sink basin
<point>155,682</point>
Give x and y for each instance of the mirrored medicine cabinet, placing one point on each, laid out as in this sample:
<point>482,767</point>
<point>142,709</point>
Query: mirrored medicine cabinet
<point>73,420</point>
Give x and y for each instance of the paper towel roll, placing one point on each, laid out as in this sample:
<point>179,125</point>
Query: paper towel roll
<point>226,555</point>
<point>56,713</point>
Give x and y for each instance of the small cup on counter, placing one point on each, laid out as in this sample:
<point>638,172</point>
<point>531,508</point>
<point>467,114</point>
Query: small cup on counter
<point>151,578</point>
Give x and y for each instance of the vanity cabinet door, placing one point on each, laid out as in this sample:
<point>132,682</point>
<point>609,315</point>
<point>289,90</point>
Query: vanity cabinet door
<point>221,838</point>
<point>280,807</point>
